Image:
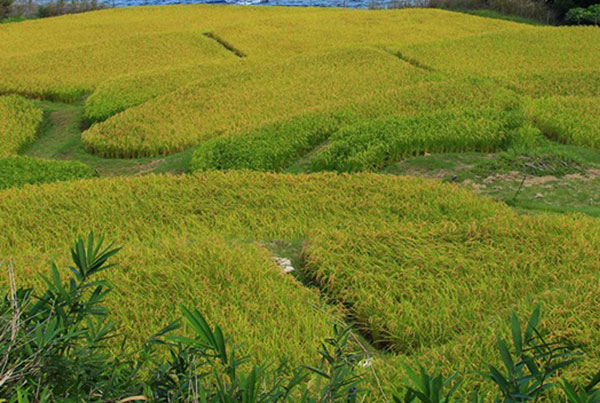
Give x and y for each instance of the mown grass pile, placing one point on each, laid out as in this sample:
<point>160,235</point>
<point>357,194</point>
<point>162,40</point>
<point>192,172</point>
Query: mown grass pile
<point>425,268</point>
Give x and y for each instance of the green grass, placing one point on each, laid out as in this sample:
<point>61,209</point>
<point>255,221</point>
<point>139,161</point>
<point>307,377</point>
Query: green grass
<point>558,178</point>
<point>60,138</point>
<point>13,19</point>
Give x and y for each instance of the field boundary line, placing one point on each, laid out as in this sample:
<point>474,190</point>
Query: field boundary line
<point>224,43</point>
<point>411,61</point>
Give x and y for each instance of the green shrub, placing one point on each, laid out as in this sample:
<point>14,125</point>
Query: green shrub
<point>531,363</point>
<point>5,8</point>
<point>53,347</point>
<point>593,15</point>
<point>19,171</point>
<point>576,15</point>
<point>580,15</point>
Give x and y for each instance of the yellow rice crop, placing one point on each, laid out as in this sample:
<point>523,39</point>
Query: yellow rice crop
<point>539,61</point>
<point>19,122</point>
<point>251,99</point>
<point>295,64</point>
<point>73,72</point>
<point>429,269</point>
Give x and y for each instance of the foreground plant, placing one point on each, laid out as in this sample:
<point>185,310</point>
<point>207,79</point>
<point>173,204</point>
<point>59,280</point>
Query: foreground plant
<point>531,366</point>
<point>53,344</point>
<point>53,348</point>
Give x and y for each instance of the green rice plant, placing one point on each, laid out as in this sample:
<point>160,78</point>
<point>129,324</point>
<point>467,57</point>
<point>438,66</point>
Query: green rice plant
<point>19,123</point>
<point>20,171</point>
<point>271,148</point>
<point>377,143</point>
<point>570,120</point>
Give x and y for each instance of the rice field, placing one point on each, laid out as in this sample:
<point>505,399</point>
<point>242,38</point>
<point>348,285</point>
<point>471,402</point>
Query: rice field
<point>247,108</point>
<point>20,121</point>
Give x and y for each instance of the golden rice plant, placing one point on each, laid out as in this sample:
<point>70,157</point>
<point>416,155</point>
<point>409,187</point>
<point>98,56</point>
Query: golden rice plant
<point>428,270</point>
<point>19,123</point>
<point>120,93</point>
<point>522,59</point>
<point>68,57</point>
<point>246,101</point>
<point>68,75</point>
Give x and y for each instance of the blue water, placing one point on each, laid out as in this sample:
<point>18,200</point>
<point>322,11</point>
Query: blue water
<point>295,3</point>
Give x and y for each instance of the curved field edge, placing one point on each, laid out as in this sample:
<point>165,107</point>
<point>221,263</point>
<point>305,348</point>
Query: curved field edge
<point>22,124</point>
<point>428,248</point>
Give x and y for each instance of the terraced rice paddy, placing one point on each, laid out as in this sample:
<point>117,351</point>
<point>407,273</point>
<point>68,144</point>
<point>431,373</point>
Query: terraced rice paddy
<point>429,271</point>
